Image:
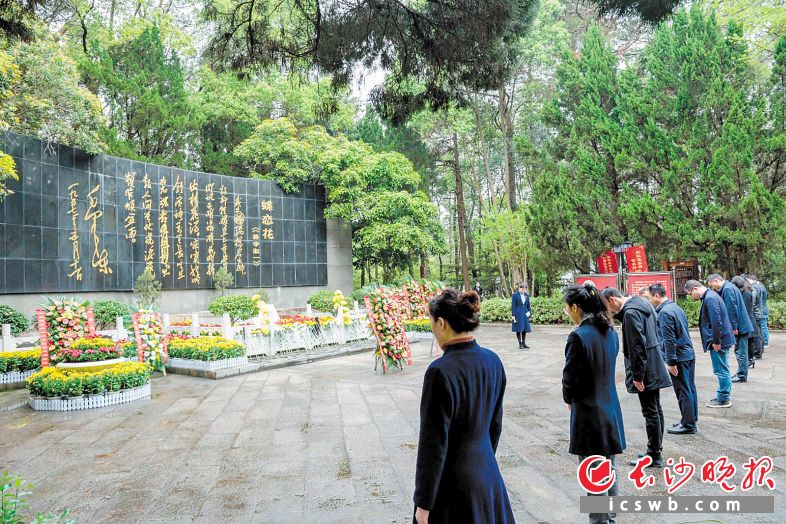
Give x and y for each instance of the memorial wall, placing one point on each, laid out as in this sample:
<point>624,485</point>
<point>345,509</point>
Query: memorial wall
<point>80,223</point>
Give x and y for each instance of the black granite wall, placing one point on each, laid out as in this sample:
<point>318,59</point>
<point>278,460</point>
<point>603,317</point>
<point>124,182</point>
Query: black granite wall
<point>121,208</point>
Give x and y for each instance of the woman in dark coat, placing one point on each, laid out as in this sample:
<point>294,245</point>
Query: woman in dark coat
<point>588,386</point>
<point>754,339</point>
<point>457,478</point>
<point>521,313</point>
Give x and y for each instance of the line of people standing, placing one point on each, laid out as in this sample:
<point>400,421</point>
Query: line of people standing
<point>658,353</point>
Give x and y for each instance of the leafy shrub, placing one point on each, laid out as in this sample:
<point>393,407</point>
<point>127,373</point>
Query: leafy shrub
<point>223,280</point>
<point>107,311</point>
<point>777,318</point>
<point>548,310</point>
<point>691,308</point>
<point>545,310</point>
<point>20,360</point>
<point>13,499</point>
<point>205,348</point>
<point>129,348</point>
<point>360,295</point>
<point>322,301</point>
<point>239,307</point>
<point>17,320</point>
<point>55,382</point>
<point>148,290</point>
<point>495,310</point>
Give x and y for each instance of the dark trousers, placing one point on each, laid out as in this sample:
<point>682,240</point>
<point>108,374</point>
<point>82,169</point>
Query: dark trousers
<point>687,397</point>
<point>653,420</point>
<point>756,341</point>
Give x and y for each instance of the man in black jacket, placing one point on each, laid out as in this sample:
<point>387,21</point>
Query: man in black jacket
<point>645,370</point>
<point>680,357</point>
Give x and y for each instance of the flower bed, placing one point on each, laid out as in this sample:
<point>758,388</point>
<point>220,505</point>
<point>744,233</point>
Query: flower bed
<point>205,348</point>
<point>206,353</point>
<point>421,325</point>
<point>90,401</point>
<point>18,366</point>
<point>55,383</point>
<point>92,348</point>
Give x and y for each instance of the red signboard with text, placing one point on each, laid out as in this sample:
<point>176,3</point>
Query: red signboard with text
<point>607,263</point>
<point>600,281</point>
<point>636,281</point>
<point>636,259</point>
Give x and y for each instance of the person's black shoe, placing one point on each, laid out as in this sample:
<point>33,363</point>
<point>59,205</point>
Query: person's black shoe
<point>521,346</point>
<point>656,462</point>
<point>682,430</point>
<point>715,403</point>
<point>739,379</point>
<point>752,363</point>
<point>526,346</point>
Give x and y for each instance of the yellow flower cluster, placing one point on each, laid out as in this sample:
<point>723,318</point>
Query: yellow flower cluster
<point>205,348</point>
<point>26,353</point>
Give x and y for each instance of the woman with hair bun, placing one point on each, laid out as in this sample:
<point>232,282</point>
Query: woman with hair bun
<point>457,477</point>
<point>588,386</point>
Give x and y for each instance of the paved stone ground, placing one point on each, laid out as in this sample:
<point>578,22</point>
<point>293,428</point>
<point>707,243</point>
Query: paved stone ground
<point>333,441</point>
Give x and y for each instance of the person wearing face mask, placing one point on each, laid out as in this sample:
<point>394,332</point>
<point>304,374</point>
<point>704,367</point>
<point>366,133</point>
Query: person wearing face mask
<point>588,387</point>
<point>457,477</point>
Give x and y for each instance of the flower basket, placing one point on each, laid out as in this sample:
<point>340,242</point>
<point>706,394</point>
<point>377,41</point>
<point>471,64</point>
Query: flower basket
<point>100,400</point>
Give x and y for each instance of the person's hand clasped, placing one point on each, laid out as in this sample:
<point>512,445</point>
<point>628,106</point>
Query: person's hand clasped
<point>716,347</point>
<point>673,370</point>
<point>639,385</point>
<point>421,516</point>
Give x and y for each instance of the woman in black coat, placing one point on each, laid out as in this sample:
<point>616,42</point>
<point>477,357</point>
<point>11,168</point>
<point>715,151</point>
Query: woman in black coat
<point>520,307</point>
<point>457,477</point>
<point>588,386</point>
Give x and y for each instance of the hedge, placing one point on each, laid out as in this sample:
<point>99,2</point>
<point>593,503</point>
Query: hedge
<point>545,310</point>
<point>548,310</point>
<point>107,311</point>
<point>239,307</point>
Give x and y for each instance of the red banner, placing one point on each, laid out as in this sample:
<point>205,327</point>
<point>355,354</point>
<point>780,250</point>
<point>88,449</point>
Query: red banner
<point>636,258</point>
<point>607,262</point>
<point>43,335</point>
<point>642,280</point>
<point>599,281</point>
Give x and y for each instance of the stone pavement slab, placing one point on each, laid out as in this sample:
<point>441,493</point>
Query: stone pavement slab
<point>334,441</point>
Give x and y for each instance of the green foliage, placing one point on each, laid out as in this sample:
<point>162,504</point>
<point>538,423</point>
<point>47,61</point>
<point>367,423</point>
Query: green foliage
<point>691,308</point>
<point>548,310</point>
<point>45,97</point>
<point>223,280</point>
<point>446,46</point>
<point>670,154</point>
<point>19,323</point>
<point>376,193</point>
<point>322,301</point>
<point>495,310</point>
<point>142,82</point>
<point>239,307</point>
<point>14,499</point>
<point>777,318</point>
<point>360,295</point>
<point>147,290</point>
<point>107,311</point>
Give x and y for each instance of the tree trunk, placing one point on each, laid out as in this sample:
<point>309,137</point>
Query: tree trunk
<point>362,273</point>
<point>507,143</point>
<point>460,213</point>
<point>484,153</point>
<point>423,267</point>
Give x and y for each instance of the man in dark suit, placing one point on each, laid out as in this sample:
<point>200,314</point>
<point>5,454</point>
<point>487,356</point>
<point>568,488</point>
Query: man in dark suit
<point>716,337</point>
<point>645,371</point>
<point>741,324</point>
<point>680,357</point>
